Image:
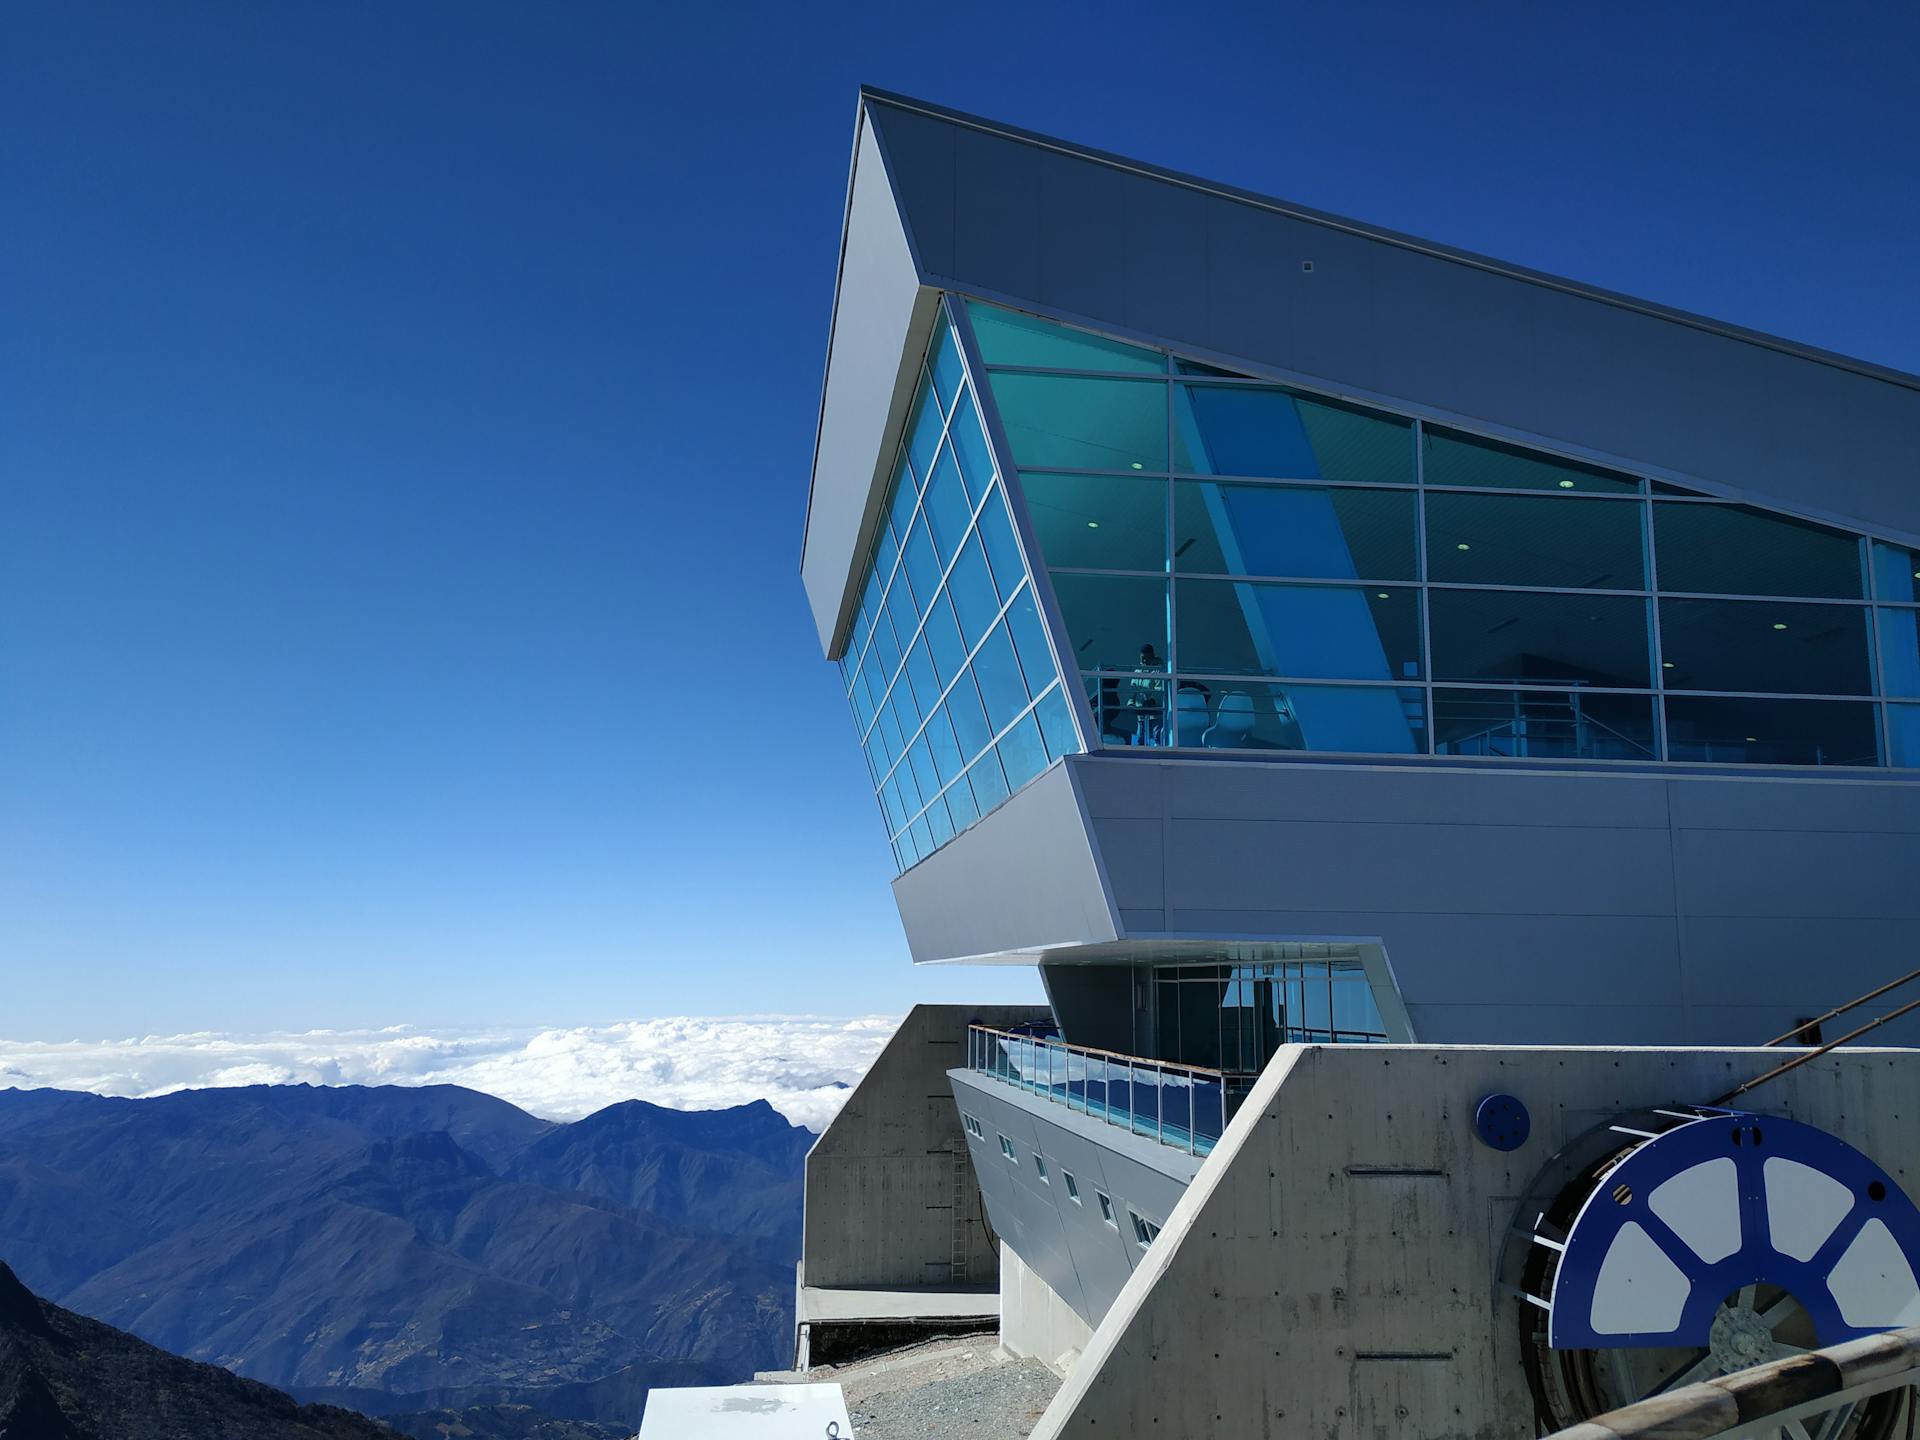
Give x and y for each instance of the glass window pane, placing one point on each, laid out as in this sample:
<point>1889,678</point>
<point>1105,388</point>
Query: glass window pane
<point>971,589</point>
<point>1023,754</point>
<point>1333,632</point>
<point>997,673</point>
<point>989,784</point>
<point>1733,550</point>
<point>945,750</point>
<point>969,719</point>
<point>1003,551</point>
<point>1514,635</point>
<point>925,776</point>
<point>1896,573</point>
<point>1454,459</point>
<point>900,609</point>
<point>1128,710</point>
<point>883,656</point>
<point>1254,430</point>
<point>1903,735</point>
<point>890,803</point>
<point>939,823</point>
<point>1731,730</point>
<point>970,445</point>
<point>926,685</point>
<point>1062,422</point>
<point>1369,719</point>
<point>1114,621</point>
<point>923,436</point>
<point>1535,540</point>
<point>1056,723</point>
<point>943,639</point>
<point>1560,724</point>
<point>944,362</point>
<point>900,502</point>
<point>903,781</point>
<point>1899,652</point>
<point>1008,337</point>
<point>1098,522</point>
<point>1030,641</point>
<point>1288,530</point>
<point>923,569</point>
<point>1767,645</point>
<point>905,708</point>
<point>960,806</point>
<point>946,505</point>
<point>922,838</point>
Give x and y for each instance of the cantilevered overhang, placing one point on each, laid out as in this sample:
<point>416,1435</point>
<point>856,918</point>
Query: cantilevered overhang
<point>940,200</point>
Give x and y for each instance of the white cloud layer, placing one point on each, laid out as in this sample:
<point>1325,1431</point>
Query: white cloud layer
<point>802,1065</point>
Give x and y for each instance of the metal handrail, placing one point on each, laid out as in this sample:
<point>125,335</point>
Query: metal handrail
<point>997,1053</point>
<point>1762,1400</point>
<point>1806,1025</point>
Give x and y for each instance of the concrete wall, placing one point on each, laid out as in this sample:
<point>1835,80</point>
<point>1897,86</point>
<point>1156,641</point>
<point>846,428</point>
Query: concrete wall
<point>1067,1244</point>
<point>1034,1321</point>
<point>1331,1272</point>
<point>881,1181</point>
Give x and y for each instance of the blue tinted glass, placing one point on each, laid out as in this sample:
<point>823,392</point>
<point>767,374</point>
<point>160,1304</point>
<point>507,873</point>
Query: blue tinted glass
<point>1542,639</point>
<point>870,600</point>
<point>888,723</point>
<point>989,784</point>
<point>1008,337</point>
<point>1023,754</point>
<point>877,758</point>
<point>969,720</point>
<point>926,685</point>
<point>1543,724</point>
<point>959,800</point>
<point>1312,631</point>
<point>939,823</point>
<point>900,609</point>
<point>1030,640</point>
<point>901,858</point>
<point>1293,530</point>
<point>946,504</point>
<point>857,637</point>
<point>1056,723</point>
<point>890,803</point>
<point>1064,422</point>
<point>1553,540</point>
<point>1236,715</point>
<point>1100,522</point>
<point>910,798</point>
<point>1003,551</point>
<point>1896,573</point>
<point>1732,550</point>
<point>1732,730</point>
<point>905,708</point>
<point>945,364</point>
<point>970,445</point>
<point>1899,652</point>
<point>862,705</point>
<point>924,773</point>
<point>900,502</point>
<point>943,638</point>
<point>885,552</point>
<point>1128,710</point>
<point>1766,645</point>
<point>1251,430</point>
<point>1465,460</point>
<point>1112,621</point>
<point>922,838</point>
<point>998,675</point>
<point>924,436</point>
<point>1903,736</point>
<point>947,759</point>
<point>885,738</point>
<point>923,569</point>
<point>883,658</point>
<point>971,589</point>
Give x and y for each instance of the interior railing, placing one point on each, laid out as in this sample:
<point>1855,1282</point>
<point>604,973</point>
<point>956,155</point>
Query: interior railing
<point>1185,1106</point>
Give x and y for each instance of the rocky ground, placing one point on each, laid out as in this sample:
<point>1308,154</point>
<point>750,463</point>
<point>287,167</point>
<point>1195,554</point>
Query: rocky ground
<point>944,1390</point>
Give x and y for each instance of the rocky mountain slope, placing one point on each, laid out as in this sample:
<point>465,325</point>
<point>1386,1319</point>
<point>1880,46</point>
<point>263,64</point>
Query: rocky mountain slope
<point>408,1249</point>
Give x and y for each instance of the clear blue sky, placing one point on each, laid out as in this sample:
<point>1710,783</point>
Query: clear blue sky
<point>405,412</point>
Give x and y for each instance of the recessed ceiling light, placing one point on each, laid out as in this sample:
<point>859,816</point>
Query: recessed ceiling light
<point>1463,546</point>
<point>1753,739</point>
<point>1566,484</point>
<point>1666,664</point>
<point>1093,524</point>
<point>1383,595</point>
<point>1779,624</point>
<point>1138,466</point>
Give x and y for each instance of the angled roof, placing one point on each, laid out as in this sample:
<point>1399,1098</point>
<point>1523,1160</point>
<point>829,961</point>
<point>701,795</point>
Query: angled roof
<point>941,200</point>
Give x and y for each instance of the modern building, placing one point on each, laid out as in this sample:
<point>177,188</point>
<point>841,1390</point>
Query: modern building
<point>1282,632</point>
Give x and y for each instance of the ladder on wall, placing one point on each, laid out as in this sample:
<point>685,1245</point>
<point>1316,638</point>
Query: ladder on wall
<point>962,1186</point>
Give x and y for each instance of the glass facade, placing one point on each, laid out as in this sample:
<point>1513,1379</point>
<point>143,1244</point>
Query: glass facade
<point>1241,565</point>
<point>1233,1017</point>
<point>947,667</point>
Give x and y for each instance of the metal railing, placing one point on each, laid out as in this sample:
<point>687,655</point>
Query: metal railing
<point>1779,1398</point>
<point>1185,1106</point>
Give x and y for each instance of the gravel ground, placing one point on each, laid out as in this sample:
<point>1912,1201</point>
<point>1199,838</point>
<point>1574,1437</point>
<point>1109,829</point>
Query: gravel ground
<point>945,1390</point>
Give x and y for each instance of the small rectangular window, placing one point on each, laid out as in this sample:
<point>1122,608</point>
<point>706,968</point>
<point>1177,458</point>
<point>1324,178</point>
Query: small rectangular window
<point>1073,1188</point>
<point>1106,1208</point>
<point>1040,1168</point>
<point>1144,1231</point>
<point>1006,1149</point>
